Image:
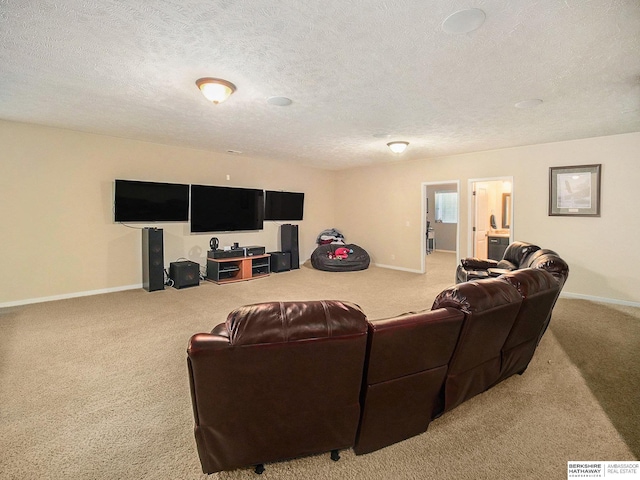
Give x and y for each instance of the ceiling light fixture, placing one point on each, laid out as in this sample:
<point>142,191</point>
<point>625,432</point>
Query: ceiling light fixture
<point>398,147</point>
<point>463,21</point>
<point>215,90</point>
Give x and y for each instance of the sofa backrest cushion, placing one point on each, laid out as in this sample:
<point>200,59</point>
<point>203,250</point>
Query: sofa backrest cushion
<point>537,253</point>
<point>407,360</point>
<point>551,262</point>
<point>539,291</point>
<point>517,251</point>
<point>507,265</point>
<point>276,381</point>
<point>490,308</point>
<point>411,343</point>
<point>281,322</point>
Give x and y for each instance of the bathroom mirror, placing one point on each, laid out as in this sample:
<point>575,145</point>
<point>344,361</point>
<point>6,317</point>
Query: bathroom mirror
<point>506,210</point>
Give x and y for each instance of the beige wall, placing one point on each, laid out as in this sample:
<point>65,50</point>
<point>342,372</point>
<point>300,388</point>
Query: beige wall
<point>59,238</point>
<point>384,209</point>
<point>56,188</point>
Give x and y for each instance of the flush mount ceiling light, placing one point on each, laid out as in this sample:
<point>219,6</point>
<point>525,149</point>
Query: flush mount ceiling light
<point>464,21</point>
<point>398,147</point>
<point>215,90</point>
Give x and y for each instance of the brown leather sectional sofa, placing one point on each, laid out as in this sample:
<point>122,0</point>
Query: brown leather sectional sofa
<point>516,256</point>
<point>287,379</point>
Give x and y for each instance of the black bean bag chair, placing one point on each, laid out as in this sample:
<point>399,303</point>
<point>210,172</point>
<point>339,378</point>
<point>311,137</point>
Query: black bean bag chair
<point>358,260</point>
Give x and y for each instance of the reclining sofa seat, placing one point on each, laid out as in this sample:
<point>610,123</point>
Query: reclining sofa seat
<point>490,308</point>
<point>539,290</point>
<point>276,381</point>
<point>517,255</point>
<point>550,261</point>
<point>407,358</point>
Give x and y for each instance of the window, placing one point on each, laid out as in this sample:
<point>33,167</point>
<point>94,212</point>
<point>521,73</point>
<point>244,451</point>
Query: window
<point>447,207</point>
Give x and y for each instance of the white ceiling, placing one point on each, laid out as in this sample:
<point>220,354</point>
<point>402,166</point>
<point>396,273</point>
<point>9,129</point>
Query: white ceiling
<point>356,70</point>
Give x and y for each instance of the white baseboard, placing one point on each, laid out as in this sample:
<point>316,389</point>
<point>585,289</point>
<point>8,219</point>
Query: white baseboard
<point>28,301</point>
<point>563,294</point>
<point>614,301</point>
<point>68,295</point>
<point>402,269</point>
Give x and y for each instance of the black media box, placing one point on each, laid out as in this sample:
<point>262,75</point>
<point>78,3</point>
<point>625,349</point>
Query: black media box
<point>184,274</point>
<point>280,261</point>
<point>233,253</point>
<point>253,250</point>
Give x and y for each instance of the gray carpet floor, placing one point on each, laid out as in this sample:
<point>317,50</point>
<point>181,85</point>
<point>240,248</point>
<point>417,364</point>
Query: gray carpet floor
<point>97,387</point>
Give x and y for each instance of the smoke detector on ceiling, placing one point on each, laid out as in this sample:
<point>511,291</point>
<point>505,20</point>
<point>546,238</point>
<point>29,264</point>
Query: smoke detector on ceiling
<point>279,101</point>
<point>533,102</point>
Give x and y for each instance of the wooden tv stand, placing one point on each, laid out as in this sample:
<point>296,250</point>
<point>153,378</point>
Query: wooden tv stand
<point>237,269</point>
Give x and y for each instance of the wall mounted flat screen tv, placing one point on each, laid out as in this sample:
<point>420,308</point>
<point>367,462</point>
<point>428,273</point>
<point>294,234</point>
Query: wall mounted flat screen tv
<point>136,201</point>
<point>283,205</point>
<point>226,209</point>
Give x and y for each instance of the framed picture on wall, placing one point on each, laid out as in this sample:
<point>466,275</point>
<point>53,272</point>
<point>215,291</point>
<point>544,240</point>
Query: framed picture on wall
<point>575,191</point>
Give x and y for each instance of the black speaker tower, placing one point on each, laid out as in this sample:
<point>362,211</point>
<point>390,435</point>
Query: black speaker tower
<point>152,259</point>
<point>289,240</point>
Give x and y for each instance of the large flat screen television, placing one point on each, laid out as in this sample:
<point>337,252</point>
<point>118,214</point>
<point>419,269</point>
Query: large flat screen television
<point>136,201</point>
<point>226,209</point>
<point>283,205</point>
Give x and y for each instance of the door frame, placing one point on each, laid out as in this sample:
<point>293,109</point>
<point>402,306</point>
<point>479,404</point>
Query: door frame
<point>471,208</point>
<point>423,231</point>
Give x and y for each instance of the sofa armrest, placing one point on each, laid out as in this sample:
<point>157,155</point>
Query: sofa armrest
<point>220,330</point>
<point>507,265</point>
<point>478,263</point>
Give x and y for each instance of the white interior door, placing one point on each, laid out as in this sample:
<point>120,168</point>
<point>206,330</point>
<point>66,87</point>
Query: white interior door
<point>481,227</point>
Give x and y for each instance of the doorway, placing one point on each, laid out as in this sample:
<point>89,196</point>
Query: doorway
<point>440,218</point>
<point>491,216</point>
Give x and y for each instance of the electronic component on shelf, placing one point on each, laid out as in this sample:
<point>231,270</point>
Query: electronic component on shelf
<point>225,253</point>
<point>253,250</point>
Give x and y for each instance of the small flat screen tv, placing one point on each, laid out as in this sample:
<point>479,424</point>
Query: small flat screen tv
<point>283,205</point>
<point>136,201</point>
<point>226,209</point>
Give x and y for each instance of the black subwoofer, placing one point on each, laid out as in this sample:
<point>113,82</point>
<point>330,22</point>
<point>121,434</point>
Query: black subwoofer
<point>152,259</point>
<point>279,261</point>
<point>289,240</point>
<point>184,274</point>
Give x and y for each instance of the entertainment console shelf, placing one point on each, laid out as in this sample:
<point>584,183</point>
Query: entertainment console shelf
<point>237,269</point>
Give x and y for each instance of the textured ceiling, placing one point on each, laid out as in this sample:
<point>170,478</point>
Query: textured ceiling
<point>356,71</point>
